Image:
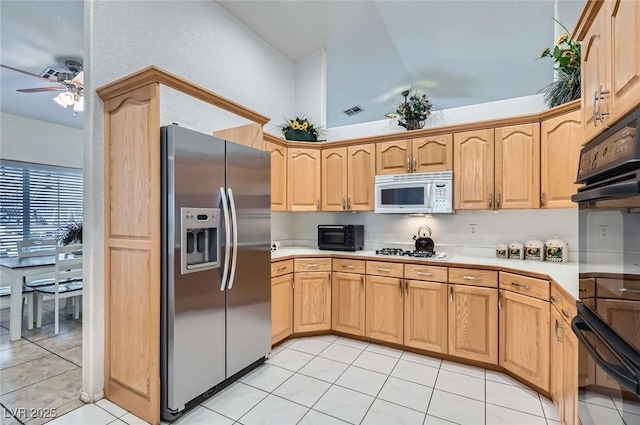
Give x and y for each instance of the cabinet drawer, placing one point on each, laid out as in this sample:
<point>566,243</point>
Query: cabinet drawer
<point>626,289</point>
<point>279,268</point>
<point>587,287</point>
<point>474,277</point>
<point>312,265</point>
<point>533,287</point>
<point>556,296</point>
<point>569,309</point>
<point>381,268</point>
<point>430,273</point>
<point>349,266</point>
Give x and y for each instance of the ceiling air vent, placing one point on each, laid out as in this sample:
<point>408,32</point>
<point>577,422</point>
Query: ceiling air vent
<point>352,111</point>
<point>55,74</point>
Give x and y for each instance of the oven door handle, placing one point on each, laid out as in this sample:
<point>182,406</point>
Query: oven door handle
<point>612,191</point>
<point>625,374</point>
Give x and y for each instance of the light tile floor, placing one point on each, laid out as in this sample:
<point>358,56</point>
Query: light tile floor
<point>329,380</point>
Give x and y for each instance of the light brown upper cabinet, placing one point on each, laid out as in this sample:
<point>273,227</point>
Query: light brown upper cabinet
<point>473,170</point>
<point>517,162</point>
<point>348,178</point>
<point>420,155</point>
<point>561,140</point>
<point>303,179</point>
<point>497,169</point>
<point>610,66</point>
<point>278,176</point>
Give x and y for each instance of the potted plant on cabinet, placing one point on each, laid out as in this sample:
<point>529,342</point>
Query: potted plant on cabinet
<point>300,129</point>
<point>566,55</point>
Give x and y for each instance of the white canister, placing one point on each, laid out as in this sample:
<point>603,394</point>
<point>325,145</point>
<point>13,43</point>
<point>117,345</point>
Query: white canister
<point>534,250</point>
<point>556,250</point>
<point>516,250</point>
<point>502,251</point>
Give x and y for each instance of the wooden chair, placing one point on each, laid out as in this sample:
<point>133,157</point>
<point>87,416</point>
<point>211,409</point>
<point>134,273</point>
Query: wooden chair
<point>67,282</point>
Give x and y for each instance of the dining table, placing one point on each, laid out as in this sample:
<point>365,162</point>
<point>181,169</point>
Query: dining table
<point>18,269</point>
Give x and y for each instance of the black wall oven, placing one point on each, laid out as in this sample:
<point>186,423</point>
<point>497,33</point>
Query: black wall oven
<point>608,320</point>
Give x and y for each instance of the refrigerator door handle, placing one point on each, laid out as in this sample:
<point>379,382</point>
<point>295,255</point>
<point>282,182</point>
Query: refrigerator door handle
<point>227,234</point>
<point>234,224</point>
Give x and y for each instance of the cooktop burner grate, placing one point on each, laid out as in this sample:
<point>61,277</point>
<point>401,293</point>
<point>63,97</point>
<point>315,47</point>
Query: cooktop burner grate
<point>402,252</point>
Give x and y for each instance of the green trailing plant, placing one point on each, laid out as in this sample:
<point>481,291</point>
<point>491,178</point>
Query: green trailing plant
<point>71,233</point>
<point>566,55</point>
<point>413,112</point>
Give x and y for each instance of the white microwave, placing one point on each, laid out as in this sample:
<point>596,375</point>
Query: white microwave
<point>418,193</point>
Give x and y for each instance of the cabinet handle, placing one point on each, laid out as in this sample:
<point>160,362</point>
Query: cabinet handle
<point>542,198</point>
<point>566,313</point>
<point>595,108</point>
<point>408,165</point>
<point>347,266</point>
<point>600,98</point>
<point>558,326</point>
<point>362,282</point>
<point>312,266</point>
<point>585,289</point>
<point>498,200</point>
<point>415,165</point>
<point>450,294</point>
<point>400,286</point>
<point>329,280</point>
<point>424,273</point>
<point>344,204</point>
<point>467,277</point>
<point>491,200</point>
<point>348,203</point>
<point>279,269</point>
<point>554,299</point>
<point>521,285</point>
<point>629,290</point>
<point>318,205</point>
<point>406,287</point>
<point>293,285</point>
<point>380,269</point>
<point>499,300</point>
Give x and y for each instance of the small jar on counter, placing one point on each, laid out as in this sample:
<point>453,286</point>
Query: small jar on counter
<point>516,250</point>
<point>502,251</point>
<point>556,250</point>
<point>534,250</point>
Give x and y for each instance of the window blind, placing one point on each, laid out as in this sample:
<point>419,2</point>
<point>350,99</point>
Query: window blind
<point>36,201</point>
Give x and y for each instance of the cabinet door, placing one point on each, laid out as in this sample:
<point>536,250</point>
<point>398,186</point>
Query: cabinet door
<point>278,176</point>
<point>624,56</point>
<point>281,307</point>
<point>517,162</point>
<point>425,315</point>
<point>348,301</point>
<point>473,323</point>
<point>334,179</point>
<point>361,170</point>
<point>303,180</point>
<point>473,170</point>
<point>569,377</point>
<point>561,140</point>
<point>393,157</point>
<point>433,153</point>
<point>594,74</point>
<point>556,365</point>
<point>312,302</point>
<point>524,337</point>
<point>623,316</point>
<point>384,308</point>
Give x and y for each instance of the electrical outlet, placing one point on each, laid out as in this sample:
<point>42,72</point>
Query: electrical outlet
<point>604,231</point>
<point>474,228</point>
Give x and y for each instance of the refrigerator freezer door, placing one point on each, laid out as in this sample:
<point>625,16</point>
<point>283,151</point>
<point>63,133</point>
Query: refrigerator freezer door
<point>193,310</point>
<point>249,296</point>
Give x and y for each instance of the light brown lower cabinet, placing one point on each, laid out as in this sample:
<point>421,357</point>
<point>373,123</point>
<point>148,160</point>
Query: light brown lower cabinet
<point>425,313</point>
<point>384,308</point>
<point>348,303</point>
<point>556,368</point>
<point>312,301</point>
<point>281,307</point>
<point>564,368</point>
<point>524,337</point>
<point>473,323</point>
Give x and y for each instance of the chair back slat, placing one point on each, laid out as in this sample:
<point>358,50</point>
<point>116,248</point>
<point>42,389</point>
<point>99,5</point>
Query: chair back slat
<point>68,263</point>
<point>36,247</point>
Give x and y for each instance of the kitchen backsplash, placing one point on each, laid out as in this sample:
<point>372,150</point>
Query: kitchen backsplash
<point>466,232</point>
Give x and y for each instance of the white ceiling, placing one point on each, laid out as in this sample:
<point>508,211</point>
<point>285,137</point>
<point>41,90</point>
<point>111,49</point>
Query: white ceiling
<point>34,35</point>
<point>460,52</point>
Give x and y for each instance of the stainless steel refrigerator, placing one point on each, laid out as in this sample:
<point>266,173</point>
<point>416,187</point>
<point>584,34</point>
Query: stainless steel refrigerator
<point>216,287</point>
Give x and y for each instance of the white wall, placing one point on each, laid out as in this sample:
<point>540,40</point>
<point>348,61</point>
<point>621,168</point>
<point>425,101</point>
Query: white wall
<point>29,140</point>
<point>311,88</point>
<point>463,114</point>
<point>451,232</point>
<point>197,40</point>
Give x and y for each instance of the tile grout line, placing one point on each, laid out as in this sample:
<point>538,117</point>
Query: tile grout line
<point>376,396</point>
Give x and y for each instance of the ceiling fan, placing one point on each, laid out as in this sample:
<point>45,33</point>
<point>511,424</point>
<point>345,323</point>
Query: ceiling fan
<point>70,83</point>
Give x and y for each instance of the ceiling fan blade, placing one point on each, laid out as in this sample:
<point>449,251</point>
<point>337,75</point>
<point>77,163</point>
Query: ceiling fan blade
<point>79,79</point>
<point>41,89</point>
<point>25,72</point>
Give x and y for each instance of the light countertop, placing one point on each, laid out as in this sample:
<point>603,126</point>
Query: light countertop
<point>564,274</point>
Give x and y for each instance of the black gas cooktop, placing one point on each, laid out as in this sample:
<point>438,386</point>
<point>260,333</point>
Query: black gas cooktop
<point>405,253</point>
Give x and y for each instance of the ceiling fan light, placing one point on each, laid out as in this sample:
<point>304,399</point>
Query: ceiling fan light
<point>59,101</point>
<point>79,105</point>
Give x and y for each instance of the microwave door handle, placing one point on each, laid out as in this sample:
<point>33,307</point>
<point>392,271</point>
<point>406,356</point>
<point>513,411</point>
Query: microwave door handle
<point>227,238</point>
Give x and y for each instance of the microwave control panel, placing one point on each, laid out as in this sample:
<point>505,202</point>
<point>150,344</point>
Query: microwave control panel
<point>442,196</point>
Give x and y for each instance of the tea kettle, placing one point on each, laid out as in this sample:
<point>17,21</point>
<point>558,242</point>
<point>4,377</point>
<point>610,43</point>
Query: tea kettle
<point>423,242</point>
